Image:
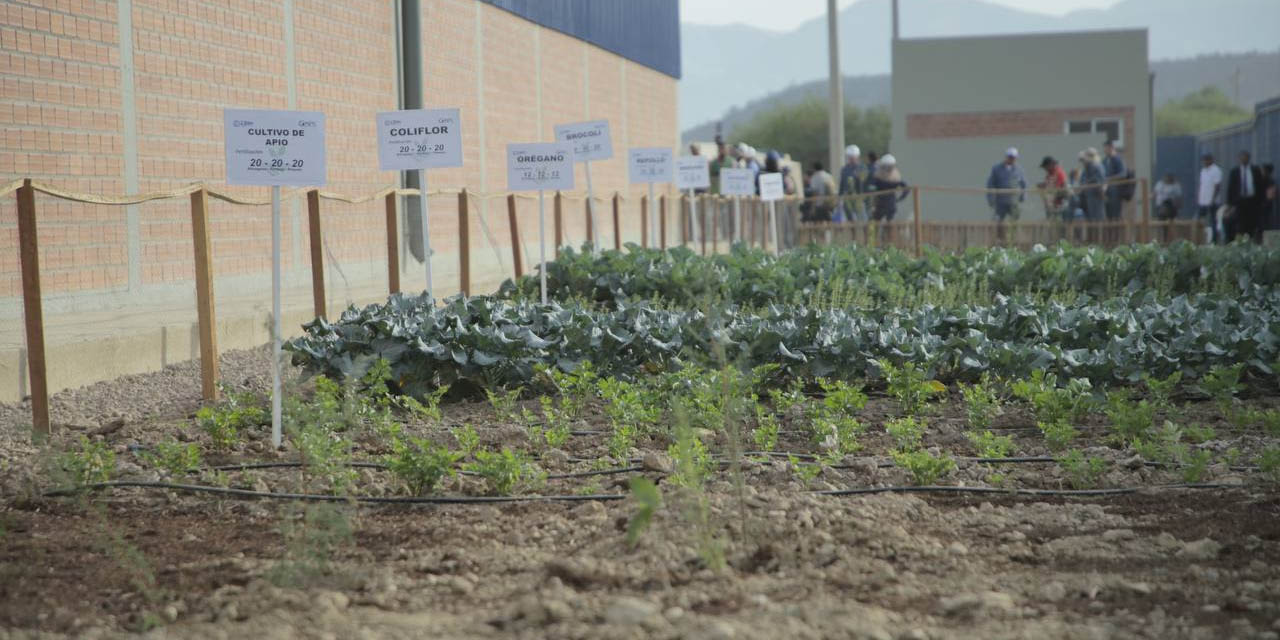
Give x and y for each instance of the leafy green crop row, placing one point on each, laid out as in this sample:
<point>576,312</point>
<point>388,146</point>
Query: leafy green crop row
<point>840,276</point>
<point>487,343</point>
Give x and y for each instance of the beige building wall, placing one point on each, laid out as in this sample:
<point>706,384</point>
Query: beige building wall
<point>126,96</point>
<point>958,103</point>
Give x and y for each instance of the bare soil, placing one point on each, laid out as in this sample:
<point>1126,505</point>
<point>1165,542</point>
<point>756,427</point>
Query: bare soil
<point>1155,564</point>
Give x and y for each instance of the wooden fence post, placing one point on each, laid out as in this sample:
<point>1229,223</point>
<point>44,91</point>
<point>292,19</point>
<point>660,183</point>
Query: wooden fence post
<point>559,223</point>
<point>591,232</point>
<point>662,221</point>
<point>516,255</point>
<point>204,294</point>
<point>317,256</point>
<point>701,221</point>
<point>393,245</point>
<point>29,255</point>
<point>683,217</point>
<point>617,228</point>
<point>644,221</point>
<point>1146,210</point>
<point>464,244</point>
<point>915,204</point>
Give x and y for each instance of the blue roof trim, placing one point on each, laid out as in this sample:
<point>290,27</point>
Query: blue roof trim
<point>646,32</point>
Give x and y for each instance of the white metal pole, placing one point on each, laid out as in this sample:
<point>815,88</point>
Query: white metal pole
<point>276,431</point>
<point>652,231</point>
<point>737,218</point>
<point>542,246</point>
<point>426,233</point>
<point>773,224</point>
<point>591,210</point>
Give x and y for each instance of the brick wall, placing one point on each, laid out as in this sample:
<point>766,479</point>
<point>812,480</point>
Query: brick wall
<point>62,120</point>
<point>933,126</point>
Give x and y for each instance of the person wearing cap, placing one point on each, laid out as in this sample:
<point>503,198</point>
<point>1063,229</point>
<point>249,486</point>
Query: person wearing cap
<point>1055,190</point>
<point>886,177</point>
<point>853,179</point>
<point>1092,182</point>
<point>1006,175</point>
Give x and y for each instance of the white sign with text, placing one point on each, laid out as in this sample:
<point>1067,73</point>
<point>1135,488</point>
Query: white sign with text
<point>419,139</point>
<point>737,182</point>
<point>771,186</point>
<point>649,164</point>
<point>274,148</point>
<point>692,172</point>
<point>539,166</point>
<point>590,140</point>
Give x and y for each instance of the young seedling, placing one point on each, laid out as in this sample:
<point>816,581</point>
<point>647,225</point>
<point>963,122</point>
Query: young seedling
<point>506,471</point>
<point>467,438</point>
<point>989,445</point>
<point>981,404</point>
<point>648,501</point>
<point>1130,420</point>
<point>1222,384</point>
<point>504,404</point>
<point>175,458</point>
<point>421,464</point>
<point>907,433</point>
<point>925,468</point>
<point>90,463</point>
<point>910,386</point>
<point>1082,472</point>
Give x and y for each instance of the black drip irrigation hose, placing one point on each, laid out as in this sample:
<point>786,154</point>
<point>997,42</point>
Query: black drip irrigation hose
<point>253,466</point>
<point>403,500</point>
<point>1024,492</point>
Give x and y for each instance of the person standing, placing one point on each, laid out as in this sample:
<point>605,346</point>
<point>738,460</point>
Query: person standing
<point>1006,175</point>
<point>1092,181</point>
<point>1270,211</point>
<point>1114,170</point>
<point>821,187</point>
<point>722,161</point>
<point>1209,197</point>
<point>1055,190</point>
<point>853,177</point>
<point>1168,197</point>
<point>1245,194</point>
<point>887,178</point>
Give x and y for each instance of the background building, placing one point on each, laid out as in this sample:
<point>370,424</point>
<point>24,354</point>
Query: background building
<point>958,103</point>
<point>126,96</point>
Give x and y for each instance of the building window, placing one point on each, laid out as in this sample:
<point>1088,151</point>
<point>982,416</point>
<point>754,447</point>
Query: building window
<point>1108,128</point>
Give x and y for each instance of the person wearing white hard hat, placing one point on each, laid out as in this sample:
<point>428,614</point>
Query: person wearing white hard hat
<point>1006,175</point>
<point>886,177</point>
<point>853,179</point>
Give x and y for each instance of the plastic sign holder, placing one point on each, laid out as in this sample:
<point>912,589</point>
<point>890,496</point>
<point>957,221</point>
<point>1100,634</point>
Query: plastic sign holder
<point>540,166</point>
<point>771,191</point>
<point>417,140</point>
<point>649,165</point>
<point>274,148</point>
<point>590,141</point>
<point>737,183</point>
<point>692,172</point>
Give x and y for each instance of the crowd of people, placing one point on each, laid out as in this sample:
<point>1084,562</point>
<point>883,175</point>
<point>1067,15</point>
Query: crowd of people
<point>1242,202</point>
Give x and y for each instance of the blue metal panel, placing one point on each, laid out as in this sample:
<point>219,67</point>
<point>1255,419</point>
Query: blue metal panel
<point>643,31</point>
<point>1177,155</point>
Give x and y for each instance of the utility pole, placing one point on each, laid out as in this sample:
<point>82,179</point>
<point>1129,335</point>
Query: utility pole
<point>835,115</point>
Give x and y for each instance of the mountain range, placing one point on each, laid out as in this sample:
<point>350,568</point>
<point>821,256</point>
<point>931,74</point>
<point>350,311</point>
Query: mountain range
<point>728,65</point>
<point>1259,79</point>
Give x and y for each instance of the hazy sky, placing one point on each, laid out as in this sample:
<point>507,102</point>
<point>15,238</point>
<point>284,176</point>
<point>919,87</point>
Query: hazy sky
<point>784,15</point>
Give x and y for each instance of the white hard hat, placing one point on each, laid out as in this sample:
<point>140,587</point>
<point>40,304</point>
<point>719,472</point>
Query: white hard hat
<point>852,151</point>
<point>888,160</point>
<point>1011,152</point>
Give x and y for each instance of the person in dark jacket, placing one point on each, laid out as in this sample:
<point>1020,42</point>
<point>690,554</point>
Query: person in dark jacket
<point>853,178</point>
<point>886,178</point>
<point>1246,194</point>
<point>1114,169</point>
<point>1092,181</point>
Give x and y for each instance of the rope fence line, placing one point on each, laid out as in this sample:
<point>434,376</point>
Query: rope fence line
<point>748,225</point>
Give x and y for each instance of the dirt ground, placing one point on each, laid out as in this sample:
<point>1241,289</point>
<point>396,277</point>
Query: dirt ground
<point>1154,564</point>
